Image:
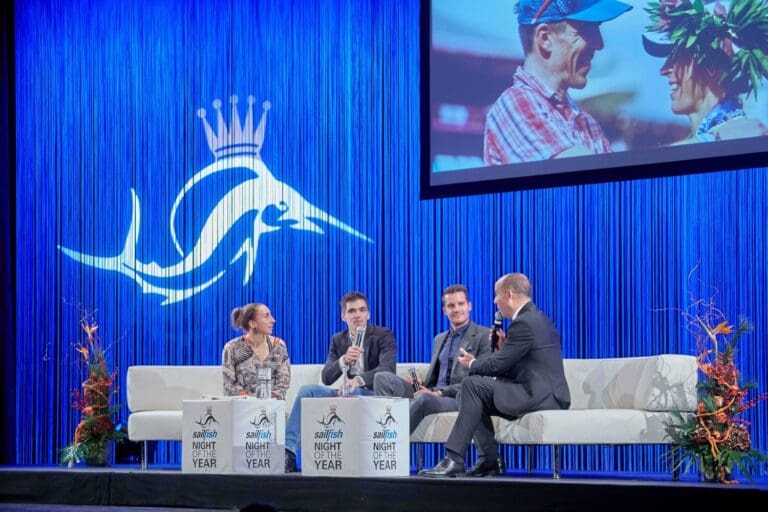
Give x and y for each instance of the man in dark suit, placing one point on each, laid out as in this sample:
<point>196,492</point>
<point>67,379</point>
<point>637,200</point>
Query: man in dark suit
<point>437,393</point>
<point>377,353</point>
<point>529,376</point>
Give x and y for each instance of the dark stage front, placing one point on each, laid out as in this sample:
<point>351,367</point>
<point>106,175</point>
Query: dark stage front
<point>171,488</point>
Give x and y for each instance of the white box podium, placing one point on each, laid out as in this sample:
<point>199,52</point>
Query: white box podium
<point>206,436</point>
<point>355,436</point>
<point>258,436</point>
<point>233,435</point>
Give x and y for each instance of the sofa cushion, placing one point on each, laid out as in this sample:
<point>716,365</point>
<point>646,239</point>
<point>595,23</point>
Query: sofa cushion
<point>155,426</point>
<point>302,374</point>
<point>163,388</point>
<point>655,383</point>
<point>434,428</point>
<point>597,426</point>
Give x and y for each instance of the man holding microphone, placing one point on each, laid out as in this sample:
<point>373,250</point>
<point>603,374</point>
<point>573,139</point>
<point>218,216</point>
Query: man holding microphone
<point>529,376</point>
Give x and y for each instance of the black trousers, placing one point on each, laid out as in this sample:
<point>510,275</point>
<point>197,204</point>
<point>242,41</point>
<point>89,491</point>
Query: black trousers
<point>475,410</point>
<point>474,420</point>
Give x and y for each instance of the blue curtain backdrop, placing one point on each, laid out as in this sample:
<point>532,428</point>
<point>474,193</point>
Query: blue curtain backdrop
<point>107,100</point>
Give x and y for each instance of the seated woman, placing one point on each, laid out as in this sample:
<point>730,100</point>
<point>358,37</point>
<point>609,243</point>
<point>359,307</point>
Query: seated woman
<point>256,349</point>
<point>711,61</point>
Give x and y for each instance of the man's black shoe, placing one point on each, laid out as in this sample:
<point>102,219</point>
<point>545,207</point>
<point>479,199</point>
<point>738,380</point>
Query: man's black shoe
<point>290,462</point>
<point>485,467</point>
<point>447,467</point>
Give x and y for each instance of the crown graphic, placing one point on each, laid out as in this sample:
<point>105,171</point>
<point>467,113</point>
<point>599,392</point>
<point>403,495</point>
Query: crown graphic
<point>239,138</point>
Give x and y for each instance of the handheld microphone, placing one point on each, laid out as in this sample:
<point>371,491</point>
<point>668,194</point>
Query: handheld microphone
<point>359,333</point>
<point>494,333</point>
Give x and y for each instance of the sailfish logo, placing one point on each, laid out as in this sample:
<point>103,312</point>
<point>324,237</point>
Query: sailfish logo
<point>235,149</point>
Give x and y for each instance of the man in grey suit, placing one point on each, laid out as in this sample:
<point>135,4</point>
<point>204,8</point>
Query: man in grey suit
<point>437,393</point>
<point>529,376</point>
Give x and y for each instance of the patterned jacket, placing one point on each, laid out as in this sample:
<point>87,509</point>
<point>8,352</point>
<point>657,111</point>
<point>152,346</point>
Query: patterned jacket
<point>241,368</point>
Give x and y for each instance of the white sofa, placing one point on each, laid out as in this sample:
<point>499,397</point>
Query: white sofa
<point>155,395</point>
<point>613,401</point>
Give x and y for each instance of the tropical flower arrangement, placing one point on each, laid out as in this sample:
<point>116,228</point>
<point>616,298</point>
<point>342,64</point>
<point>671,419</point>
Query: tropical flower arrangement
<point>716,436</point>
<point>96,428</point>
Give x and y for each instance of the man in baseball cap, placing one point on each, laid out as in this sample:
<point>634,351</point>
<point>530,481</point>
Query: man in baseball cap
<point>531,12</point>
<point>535,119</point>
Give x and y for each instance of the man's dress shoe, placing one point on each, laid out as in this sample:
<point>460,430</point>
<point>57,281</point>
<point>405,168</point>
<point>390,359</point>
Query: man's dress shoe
<point>447,467</point>
<point>485,467</point>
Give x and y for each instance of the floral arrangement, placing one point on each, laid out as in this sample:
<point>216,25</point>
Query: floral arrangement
<point>96,428</point>
<point>715,435</point>
<point>734,39</point>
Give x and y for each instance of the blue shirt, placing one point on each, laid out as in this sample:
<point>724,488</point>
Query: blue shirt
<point>448,354</point>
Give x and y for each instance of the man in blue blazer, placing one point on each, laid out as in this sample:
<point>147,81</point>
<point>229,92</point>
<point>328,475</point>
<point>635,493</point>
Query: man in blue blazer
<point>529,376</point>
<point>376,353</point>
<point>437,393</point>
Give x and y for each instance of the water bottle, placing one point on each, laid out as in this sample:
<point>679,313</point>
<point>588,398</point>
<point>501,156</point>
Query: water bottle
<point>264,388</point>
<point>344,380</point>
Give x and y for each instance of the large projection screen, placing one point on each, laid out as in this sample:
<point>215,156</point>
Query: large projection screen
<point>471,55</point>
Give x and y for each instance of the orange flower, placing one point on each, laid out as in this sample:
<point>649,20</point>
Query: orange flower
<point>723,328</point>
<point>90,329</point>
<point>84,352</point>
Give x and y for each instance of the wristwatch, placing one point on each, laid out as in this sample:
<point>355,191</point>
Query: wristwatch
<point>439,392</point>
<point>359,380</point>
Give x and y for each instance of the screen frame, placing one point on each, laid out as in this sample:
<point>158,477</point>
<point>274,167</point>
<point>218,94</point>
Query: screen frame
<point>720,156</point>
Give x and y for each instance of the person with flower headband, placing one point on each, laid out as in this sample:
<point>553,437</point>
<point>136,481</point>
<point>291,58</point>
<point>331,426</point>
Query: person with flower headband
<point>714,56</point>
<point>535,118</point>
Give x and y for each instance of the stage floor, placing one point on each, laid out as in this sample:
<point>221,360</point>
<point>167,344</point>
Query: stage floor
<point>99,489</point>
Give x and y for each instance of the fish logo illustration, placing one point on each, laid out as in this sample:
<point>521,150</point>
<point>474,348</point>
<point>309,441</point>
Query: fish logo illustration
<point>234,148</point>
<point>331,419</point>
<point>206,420</point>
<point>387,420</point>
<point>262,421</point>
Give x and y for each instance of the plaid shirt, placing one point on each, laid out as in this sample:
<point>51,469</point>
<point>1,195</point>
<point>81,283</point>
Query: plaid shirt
<point>531,121</point>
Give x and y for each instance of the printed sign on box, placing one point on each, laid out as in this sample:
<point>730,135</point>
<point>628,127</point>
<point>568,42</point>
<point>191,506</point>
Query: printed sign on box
<point>355,436</point>
<point>258,436</point>
<point>206,436</point>
<point>384,437</point>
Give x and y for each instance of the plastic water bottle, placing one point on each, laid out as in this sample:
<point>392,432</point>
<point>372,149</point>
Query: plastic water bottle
<point>264,388</point>
<point>344,380</point>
